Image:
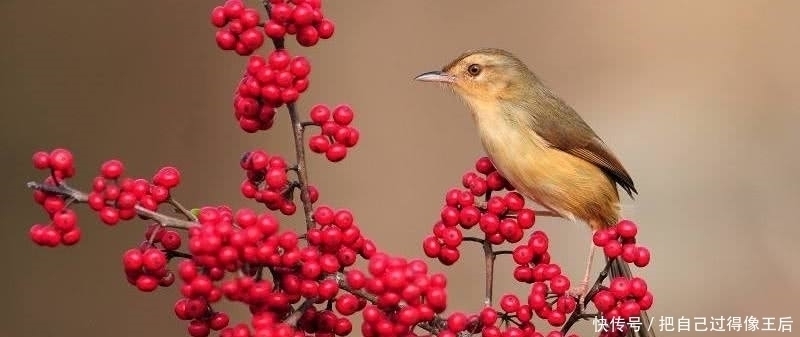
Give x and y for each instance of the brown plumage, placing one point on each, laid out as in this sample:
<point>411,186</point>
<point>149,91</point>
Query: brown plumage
<point>538,142</point>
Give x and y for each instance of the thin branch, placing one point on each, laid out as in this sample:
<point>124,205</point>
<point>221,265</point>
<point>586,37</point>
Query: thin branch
<point>183,210</point>
<point>81,197</point>
<point>489,256</point>
<point>299,143</point>
<point>297,313</point>
<point>473,239</point>
<point>503,252</point>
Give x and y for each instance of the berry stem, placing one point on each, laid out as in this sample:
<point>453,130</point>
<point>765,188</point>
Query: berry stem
<point>81,197</point>
<point>489,256</point>
<point>183,210</point>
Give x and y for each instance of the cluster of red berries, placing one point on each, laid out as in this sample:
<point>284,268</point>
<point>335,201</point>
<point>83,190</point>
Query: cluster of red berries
<point>60,162</point>
<point>502,219</point>
<point>269,83</point>
<point>246,241</point>
<point>302,18</point>
<point>268,182</point>
<point>406,295</point>
<point>115,197</point>
<point>238,27</point>
<point>63,227</point>
<point>146,265</point>
<point>338,239</point>
<point>622,299</point>
<point>486,179</point>
<point>620,241</point>
<point>62,230</point>
<point>336,134</point>
<point>146,268</point>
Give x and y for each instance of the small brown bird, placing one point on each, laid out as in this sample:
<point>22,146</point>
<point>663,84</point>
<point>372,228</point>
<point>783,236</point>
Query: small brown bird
<point>539,143</point>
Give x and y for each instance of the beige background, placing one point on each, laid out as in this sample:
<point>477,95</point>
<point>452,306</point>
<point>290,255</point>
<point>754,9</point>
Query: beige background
<point>698,98</point>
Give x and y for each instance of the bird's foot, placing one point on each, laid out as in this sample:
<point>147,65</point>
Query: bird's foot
<point>579,291</point>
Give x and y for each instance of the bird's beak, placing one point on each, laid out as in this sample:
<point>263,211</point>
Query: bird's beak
<point>436,76</point>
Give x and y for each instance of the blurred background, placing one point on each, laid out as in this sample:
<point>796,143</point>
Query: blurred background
<point>698,98</point>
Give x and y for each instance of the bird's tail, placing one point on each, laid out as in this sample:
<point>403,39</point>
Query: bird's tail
<point>620,268</point>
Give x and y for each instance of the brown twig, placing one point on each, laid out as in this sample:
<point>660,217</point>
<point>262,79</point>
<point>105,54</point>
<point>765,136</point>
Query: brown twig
<point>299,142</point>
<point>183,210</point>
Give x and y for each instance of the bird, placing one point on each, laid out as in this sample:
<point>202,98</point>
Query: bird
<point>540,144</point>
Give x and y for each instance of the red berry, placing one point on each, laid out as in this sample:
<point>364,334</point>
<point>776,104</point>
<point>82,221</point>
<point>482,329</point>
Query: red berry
<point>320,114</point>
<point>65,220</point>
<point>488,316</point>
<point>613,249</point>
<point>556,318</point>
<point>646,301</point>
<point>343,115</point>
<point>71,237</point>
<point>457,322</point>
<point>61,160</point>
<point>219,321</point>
<point>279,59</point>
<point>109,216</point>
<point>167,177</point>
<point>225,40</point>
<point>289,95</point>
<point>628,252</point>
<point>218,18</point>
<point>509,303</point>
<point>325,29</point>
<point>301,84</point>
<point>249,18</point>
<point>627,229</point>
<point>604,300</point>
<point>171,240</point>
<point>484,165</point>
<point>153,260</point>
<point>431,246</point>
<point>336,152</point>
<point>318,143</point>
<point>642,257</point>
<point>199,329</point>
<point>525,218</point>
<point>252,38</point>
<point>629,309</point>
<point>274,30</point>
<point>146,283</point>
<point>600,238</point>
<point>41,160</point>
<point>352,137</point>
<point>559,284</point>
<point>620,287</point>
<point>469,216</point>
<point>300,67</point>
<point>281,12</point>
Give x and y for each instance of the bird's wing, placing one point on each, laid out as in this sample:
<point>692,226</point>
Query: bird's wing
<point>564,129</point>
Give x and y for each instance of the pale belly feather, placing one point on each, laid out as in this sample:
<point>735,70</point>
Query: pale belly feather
<point>563,183</point>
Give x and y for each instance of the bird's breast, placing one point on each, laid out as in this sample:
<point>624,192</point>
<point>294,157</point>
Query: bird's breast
<point>564,183</point>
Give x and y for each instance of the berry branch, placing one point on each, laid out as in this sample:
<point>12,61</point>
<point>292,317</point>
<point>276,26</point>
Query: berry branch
<point>298,128</point>
<point>298,283</point>
<point>80,197</point>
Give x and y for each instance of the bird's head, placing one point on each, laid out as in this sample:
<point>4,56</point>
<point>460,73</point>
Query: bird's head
<point>484,76</point>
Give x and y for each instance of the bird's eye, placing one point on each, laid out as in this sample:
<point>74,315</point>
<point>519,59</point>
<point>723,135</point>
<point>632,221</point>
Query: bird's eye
<point>474,69</point>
